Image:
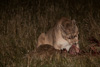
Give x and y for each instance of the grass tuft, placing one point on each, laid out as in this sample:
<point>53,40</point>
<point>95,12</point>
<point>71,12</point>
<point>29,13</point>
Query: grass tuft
<point>21,22</point>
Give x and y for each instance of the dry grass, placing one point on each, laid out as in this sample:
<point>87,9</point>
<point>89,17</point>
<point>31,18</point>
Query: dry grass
<point>21,22</point>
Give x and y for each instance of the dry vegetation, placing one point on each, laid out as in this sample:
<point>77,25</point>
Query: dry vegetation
<point>22,21</point>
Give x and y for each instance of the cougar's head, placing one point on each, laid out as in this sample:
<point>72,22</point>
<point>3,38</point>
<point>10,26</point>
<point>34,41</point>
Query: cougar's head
<point>70,32</point>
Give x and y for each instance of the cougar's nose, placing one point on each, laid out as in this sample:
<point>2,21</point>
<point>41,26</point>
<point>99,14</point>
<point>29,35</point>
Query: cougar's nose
<point>75,44</point>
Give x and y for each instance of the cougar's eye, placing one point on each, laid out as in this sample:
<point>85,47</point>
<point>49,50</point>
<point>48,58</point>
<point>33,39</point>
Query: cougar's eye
<point>69,37</point>
<point>75,36</point>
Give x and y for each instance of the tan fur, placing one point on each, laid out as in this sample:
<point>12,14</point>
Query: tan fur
<point>63,35</point>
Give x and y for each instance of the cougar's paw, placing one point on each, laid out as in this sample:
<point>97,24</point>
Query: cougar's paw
<point>63,51</point>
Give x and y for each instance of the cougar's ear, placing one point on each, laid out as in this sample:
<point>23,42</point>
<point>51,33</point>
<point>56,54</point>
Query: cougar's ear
<point>74,22</point>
